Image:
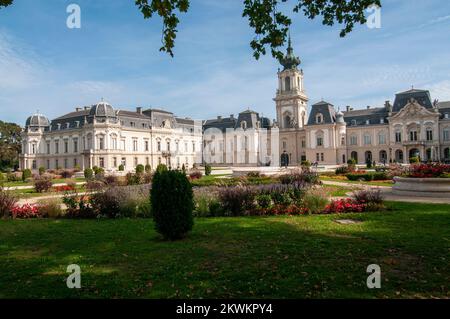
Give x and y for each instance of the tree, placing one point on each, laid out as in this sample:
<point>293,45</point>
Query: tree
<point>270,24</point>
<point>10,145</point>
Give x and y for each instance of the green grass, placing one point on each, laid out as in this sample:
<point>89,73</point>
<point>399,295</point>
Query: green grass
<point>337,191</point>
<point>373,183</point>
<point>273,257</point>
<point>31,193</point>
<point>54,181</point>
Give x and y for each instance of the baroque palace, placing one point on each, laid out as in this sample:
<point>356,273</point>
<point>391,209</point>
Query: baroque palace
<point>413,125</point>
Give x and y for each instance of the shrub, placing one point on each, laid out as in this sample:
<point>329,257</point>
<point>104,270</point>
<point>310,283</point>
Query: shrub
<point>428,170</point>
<point>128,201</point>
<point>111,180</point>
<point>306,164</point>
<point>342,170</point>
<point>414,160</point>
<point>147,178</point>
<point>172,204</point>
<point>25,211</point>
<point>315,200</point>
<point>360,176</point>
<point>264,201</point>
<point>66,173</point>
<point>50,208</point>
<point>41,170</point>
<point>372,199</point>
<point>369,164</point>
<point>346,205</point>
<point>253,174</point>
<point>88,173</point>
<point>26,174</point>
<point>7,202</point>
<point>78,206</point>
<point>2,178</point>
<point>208,169</point>
<point>140,169</point>
<point>148,169</point>
<point>121,167</point>
<point>161,168</point>
<point>351,161</point>
<point>303,176</point>
<point>237,199</point>
<point>42,184</point>
<point>133,179</point>
<point>94,185</point>
<point>12,177</point>
<point>380,176</point>
<point>195,174</point>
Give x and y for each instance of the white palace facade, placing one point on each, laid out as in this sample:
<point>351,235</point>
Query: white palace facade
<point>413,125</point>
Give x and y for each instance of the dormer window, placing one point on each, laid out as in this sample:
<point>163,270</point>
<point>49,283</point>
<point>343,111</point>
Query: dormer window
<point>354,122</point>
<point>367,122</point>
<point>446,116</point>
<point>382,121</point>
<point>67,125</point>
<point>319,118</point>
<point>59,126</point>
<point>77,123</point>
<point>244,125</point>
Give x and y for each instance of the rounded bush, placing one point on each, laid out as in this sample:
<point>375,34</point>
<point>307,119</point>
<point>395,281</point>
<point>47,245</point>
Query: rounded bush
<point>41,170</point>
<point>148,168</point>
<point>121,167</point>
<point>172,204</point>
<point>161,168</point>
<point>88,173</point>
<point>208,169</point>
<point>140,169</point>
<point>26,174</point>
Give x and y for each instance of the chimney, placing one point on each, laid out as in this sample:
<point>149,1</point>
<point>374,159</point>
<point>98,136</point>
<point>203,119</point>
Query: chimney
<point>368,106</point>
<point>231,116</point>
<point>348,108</point>
<point>87,108</point>
<point>139,110</point>
<point>219,117</point>
<point>78,109</point>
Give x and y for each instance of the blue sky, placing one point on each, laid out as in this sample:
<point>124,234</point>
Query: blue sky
<point>46,66</point>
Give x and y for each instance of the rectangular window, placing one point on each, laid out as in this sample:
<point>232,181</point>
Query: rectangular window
<point>123,145</point>
<point>193,146</point>
<point>322,157</point>
<point>34,165</point>
<point>158,146</point>
<point>114,161</point>
<point>33,148</point>
<point>367,140</point>
<point>317,157</point>
<point>75,163</point>
<point>56,147</point>
<point>319,141</point>
<point>353,140</point>
<point>429,135</point>
<point>48,164</point>
<point>124,162</point>
<point>413,136</point>
<point>66,147</point>
<point>398,137</point>
<point>101,162</point>
<point>168,146</point>
<point>136,161</point>
<point>146,146</point>
<point>446,135</point>
<point>66,163</point>
<point>303,144</point>
<point>48,148</point>
<point>114,143</point>
<point>186,147</point>
<point>56,164</point>
<point>75,145</point>
<point>101,142</point>
<point>135,146</point>
<point>382,139</point>
<point>147,161</point>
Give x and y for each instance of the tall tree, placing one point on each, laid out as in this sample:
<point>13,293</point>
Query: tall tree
<point>10,145</point>
<point>269,23</point>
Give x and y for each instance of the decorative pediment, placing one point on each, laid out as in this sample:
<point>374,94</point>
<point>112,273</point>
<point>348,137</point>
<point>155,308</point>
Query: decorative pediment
<point>413,110</point>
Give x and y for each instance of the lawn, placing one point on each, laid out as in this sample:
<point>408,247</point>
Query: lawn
<point>54,181</point>
<point>273,257</point>
<point>373,183</point>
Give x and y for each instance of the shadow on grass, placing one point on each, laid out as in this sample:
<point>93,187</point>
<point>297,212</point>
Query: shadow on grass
<point>244,257</point>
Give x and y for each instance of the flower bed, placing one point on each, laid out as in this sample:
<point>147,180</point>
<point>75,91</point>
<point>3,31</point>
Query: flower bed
<point>434,170</point>
<point>64,188</point>
<point>25,211</point>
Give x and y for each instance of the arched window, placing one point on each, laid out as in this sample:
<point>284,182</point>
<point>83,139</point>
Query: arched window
<point>383,156</point>
<point>368,156</point>
<point>319,118</point>
<point>287,121</point>
<point>287,83</point>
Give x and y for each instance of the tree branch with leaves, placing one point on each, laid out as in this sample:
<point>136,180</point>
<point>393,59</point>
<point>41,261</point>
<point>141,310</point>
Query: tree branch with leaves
<point>271,26</point>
